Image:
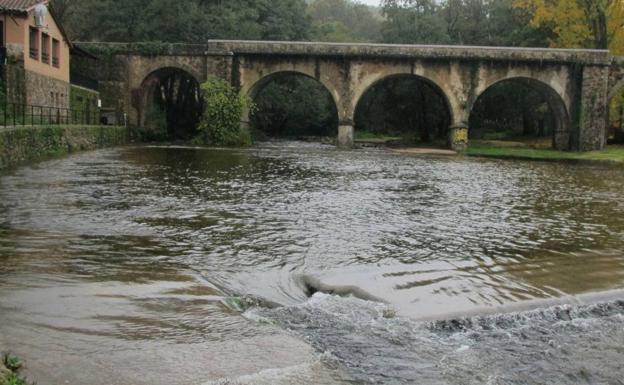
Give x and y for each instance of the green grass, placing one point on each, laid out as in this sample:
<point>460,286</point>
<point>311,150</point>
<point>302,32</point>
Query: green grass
<point>398,140</point>
<point>360,135</point>
<point>610,154</point>
<point>13,364</point>
<point>14,379</point>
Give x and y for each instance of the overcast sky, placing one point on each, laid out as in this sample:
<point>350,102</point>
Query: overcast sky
<point>369,2</point>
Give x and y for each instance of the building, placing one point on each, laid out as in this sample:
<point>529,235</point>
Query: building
<point>36,54</point>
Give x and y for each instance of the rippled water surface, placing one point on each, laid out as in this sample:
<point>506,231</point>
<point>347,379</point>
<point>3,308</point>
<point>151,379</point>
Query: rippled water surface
<point>298,263</point>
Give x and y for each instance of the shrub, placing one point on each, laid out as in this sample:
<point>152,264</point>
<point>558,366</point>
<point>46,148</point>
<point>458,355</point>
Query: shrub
<point>220,124</point>
<point>155,127</point>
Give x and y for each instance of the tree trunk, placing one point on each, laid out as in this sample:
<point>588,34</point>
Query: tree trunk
<point>600,30</point>
<point>424,122</point>
<point>596,14</point>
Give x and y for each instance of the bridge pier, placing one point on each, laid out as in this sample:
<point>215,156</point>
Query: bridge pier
<point>458,137</point>
<point>346,135</point>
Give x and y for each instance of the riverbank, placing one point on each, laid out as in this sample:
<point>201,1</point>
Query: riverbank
<point>20,145</point>
<point>9,366</point>
<point>523,150</point>
<point>613,154</point>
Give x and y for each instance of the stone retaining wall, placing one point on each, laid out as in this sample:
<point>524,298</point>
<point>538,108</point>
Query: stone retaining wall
<point>45,91</point>
<point>20,145</point>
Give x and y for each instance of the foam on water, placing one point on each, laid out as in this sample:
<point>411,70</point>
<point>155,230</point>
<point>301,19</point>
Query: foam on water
<point>564,344</point>
<point>321,372</point>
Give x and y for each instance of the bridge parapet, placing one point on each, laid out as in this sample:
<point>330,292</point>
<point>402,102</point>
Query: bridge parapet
<point>542,55</point>
<point>146,49</point>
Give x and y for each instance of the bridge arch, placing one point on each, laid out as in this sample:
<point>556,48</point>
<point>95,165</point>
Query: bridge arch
<point>615,108</point>
<point>169,102</point>
<point>254,89</point>
<point>367,83</point>
<point>562,123</point>
<point>431,105</point>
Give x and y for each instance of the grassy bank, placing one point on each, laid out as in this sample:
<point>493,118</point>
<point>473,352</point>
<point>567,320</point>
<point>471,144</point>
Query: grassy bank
<point>398,140</point>
<point>9,367</point>
<point>33,143</point>
<point>610,154</point>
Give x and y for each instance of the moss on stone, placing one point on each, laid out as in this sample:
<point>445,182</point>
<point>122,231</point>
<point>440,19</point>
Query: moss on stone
<point>141,48</point>
<point>28,144</point>
<point>82,99</point>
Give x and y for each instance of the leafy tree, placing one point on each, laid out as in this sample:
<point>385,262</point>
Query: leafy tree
<point>404,106</point>
<point>510,110</point>
<point>414,22</point>
<point>295,105</point>
<point>466,22</point>
<point>343,21</point>
<point>190,21</point>
<point>580,23</point>
<point>220,124</point>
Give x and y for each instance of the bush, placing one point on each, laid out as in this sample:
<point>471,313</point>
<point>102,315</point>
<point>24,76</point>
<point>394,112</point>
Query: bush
<point>155,127</point>
<point>220,125</point>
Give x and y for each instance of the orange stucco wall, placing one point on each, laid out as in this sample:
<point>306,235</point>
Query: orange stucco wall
<point>17,33</point>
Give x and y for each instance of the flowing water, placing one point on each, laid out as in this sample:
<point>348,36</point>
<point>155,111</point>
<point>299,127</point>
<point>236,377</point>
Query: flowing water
<point>296,263</point>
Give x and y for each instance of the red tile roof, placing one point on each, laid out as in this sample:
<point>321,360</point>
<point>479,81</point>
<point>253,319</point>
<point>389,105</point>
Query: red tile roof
<point>19,5</point>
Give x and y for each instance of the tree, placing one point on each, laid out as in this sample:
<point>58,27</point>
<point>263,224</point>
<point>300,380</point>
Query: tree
<point>183,21</point>
<point>580,23</point>
<point>344,21</point>
<point>295,105</point>
<point>464,22</point>
<point>414,22</point>
<point>223,108</point>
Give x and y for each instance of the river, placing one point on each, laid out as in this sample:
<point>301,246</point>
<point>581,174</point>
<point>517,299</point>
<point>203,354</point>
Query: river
<point>298,263</point>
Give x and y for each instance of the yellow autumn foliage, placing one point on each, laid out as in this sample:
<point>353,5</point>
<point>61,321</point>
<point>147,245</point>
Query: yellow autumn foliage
<point>571,26</point>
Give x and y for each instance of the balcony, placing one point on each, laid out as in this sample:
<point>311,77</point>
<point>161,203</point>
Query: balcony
<point>56,62</point>
<point>34,53</point>
<point>45,57</point>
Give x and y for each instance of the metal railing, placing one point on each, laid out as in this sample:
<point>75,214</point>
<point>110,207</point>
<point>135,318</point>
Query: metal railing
<point>16,114</point>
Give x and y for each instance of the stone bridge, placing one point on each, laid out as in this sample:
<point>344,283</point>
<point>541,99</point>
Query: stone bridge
<point>577,84</point>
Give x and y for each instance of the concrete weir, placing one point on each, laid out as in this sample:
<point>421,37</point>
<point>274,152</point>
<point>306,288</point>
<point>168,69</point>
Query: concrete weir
<point>576,83</point>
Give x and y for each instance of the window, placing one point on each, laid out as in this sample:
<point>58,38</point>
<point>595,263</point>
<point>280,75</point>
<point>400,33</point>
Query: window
<point>34,43</point>
<point>45,48</point>
<point>1,33</point>
<point>56,53</point>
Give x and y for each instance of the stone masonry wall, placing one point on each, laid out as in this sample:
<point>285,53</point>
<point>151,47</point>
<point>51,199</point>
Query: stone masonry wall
<point>34,143</point>
<point>14,77</point>
<point>45,91</point>
<point>592,120</point>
